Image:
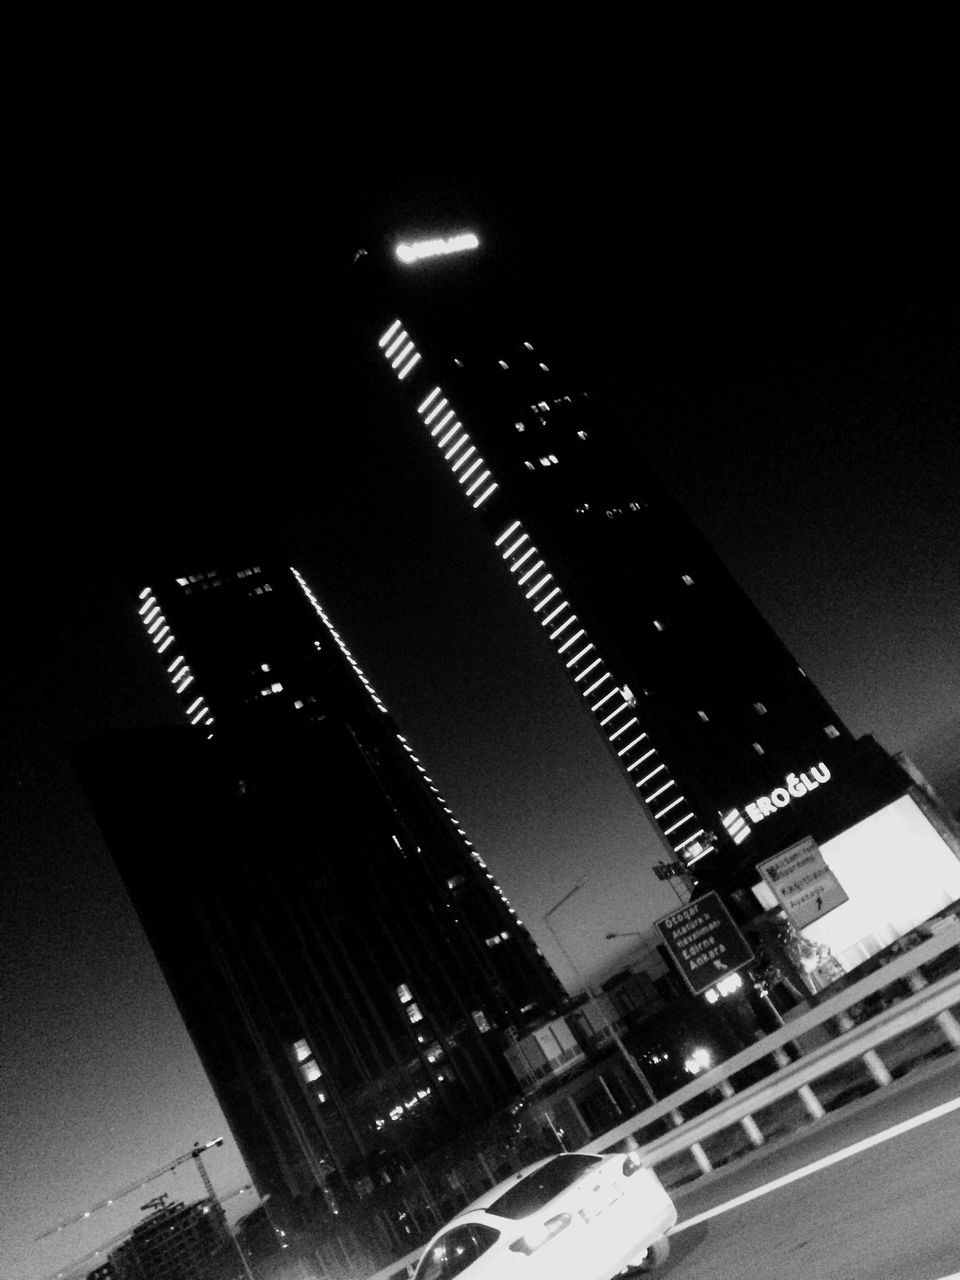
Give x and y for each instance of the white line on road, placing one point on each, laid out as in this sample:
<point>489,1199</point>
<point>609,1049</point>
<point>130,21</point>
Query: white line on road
<point>844,1154</point>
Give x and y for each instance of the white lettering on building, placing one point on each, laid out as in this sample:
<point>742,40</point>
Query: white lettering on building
<point>797,785</point>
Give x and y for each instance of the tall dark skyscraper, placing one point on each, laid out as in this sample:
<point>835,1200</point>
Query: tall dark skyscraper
<point>722,736</point>
<point>344,960</point>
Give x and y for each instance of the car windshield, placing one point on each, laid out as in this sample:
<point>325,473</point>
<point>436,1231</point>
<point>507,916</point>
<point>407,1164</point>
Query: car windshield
<point>540,1187</point>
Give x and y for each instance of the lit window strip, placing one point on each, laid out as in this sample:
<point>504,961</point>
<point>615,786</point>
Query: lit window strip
<point>437,408</point>
<point>395,344</point>
<point>539,585</point>
<point>611,693</point>
<point>478,462</point>
<point>443,422</point>
<point>484,475</point>
<point>522,582</point>
<point>542,604</point>
<point>166,644</point>
<point>409,365</point>
<point>666,809</point>
<point>623,728</point>
<point>686,818</point>
<point>422,408</point>
<point>630,745</point>
<point>513,545</point>
<point>582,654</point>
<point>598,682</point>
<point>572,640</point>
<point>530,551</point>
<point>563,625</point>
<point>511,529</point>
<point>385,338</point>
<point>458,444</point>
<point>445,440</point>
<point>462,459</point>
<point>689,840</point>
<point>402,356</point>
<point>639,761</point>
<point>144,593</point>
<point>553,613</point>
<point>613,714</point>
<point>652,774</point>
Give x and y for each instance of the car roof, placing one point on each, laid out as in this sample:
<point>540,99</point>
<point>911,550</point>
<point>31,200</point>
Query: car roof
<point>494,1193</point>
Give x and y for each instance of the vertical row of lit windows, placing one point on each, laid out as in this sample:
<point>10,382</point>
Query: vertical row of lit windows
<point>611,705</point>
<point>398,348</point>
<point>178,671</point>
<point>402,740</point>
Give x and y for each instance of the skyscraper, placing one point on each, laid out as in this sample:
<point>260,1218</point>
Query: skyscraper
<point>722,736</point>
<point>344,960</point>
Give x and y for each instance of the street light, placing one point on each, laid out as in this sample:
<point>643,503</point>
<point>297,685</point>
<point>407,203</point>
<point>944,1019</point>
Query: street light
<point>614,1034</point>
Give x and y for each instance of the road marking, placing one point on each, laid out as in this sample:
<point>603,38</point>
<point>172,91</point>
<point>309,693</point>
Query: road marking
<point>844,1154</point>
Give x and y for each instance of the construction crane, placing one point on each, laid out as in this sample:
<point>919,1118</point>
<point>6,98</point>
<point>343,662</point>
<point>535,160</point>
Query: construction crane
<point>195,1153</point>
<point>102,1250</point>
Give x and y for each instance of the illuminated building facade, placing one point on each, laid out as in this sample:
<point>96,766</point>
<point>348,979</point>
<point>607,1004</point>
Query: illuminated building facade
<point>725,741</point>
<point>177,1242</point>
<point>344,960</point>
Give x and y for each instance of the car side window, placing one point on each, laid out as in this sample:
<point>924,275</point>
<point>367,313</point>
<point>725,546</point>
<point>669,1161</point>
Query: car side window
<point>455,1251</point>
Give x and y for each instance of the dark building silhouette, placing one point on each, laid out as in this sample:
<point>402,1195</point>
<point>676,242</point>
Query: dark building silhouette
<point>344,960</point>
<point>177,1242</point>
<point>724,739</point>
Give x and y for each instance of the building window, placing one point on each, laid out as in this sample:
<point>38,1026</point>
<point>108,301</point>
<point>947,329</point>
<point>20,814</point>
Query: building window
<point>520,426</point>
<point>582,435</point>
<point>434,1052</point>
<point>528,345</point>
<point>658,624</point>
<point>503,364</point>
<point>413,1012</point>
<point>310,1070</point>
<point>302,1050</point>
<point>403,991</point>
<point>480,1019</point>
<point>831,731</point>
<point>760,709</point>
<point>544,367</point>
<point>703,716</point>
<point>758,749</point>
<point>688,580</point>
<point>529,465</point>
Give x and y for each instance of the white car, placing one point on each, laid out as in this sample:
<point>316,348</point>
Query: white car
<point>570,1217</point>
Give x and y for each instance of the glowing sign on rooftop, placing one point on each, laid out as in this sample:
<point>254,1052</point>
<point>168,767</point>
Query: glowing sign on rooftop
<point>420,249</point>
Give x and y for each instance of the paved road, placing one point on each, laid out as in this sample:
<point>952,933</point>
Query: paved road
<point>888,1213</point>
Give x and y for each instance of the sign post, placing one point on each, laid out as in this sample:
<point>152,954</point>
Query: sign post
<point>704,942</point>
<point>804,885</point>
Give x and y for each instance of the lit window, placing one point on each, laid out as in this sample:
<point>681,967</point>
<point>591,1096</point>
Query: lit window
<point>413,1013</point>
<point>302,1050</point>
<point>544,367</point>
<point>310,1071</point>
<point>458,362</point>
<point>544,462</point>
<point>520,426</point>
<point>760,709</point>
<point>758,749</point>
<point>321,1096</point>
<point>494,941</point>
<point>276,687</point>
<point>434,1052</point>
<point>658,625</point>
<point>529,465</point>
<point>264,666</point>
<point>582,435</point>
<point>480,1019</point>
<point>503,364</point>
<point>688,580</point>
<point>553,457</point>
<point>831,731</point>
<point>703,716</point>
<point>298,704</point>
<point>528,345</point>
<point>403,991</point>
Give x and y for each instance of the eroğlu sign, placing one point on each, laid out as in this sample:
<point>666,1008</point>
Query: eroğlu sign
<point>704,942</point>
<point>803,883</point>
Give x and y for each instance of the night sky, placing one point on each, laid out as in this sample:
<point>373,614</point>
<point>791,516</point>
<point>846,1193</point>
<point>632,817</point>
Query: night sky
<point>783,339</point>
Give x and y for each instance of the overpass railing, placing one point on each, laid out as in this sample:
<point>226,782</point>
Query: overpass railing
<point>926,1009</point>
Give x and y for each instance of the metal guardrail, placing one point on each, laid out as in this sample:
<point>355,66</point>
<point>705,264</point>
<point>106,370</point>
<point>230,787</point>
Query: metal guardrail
<point>927,1003</point>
